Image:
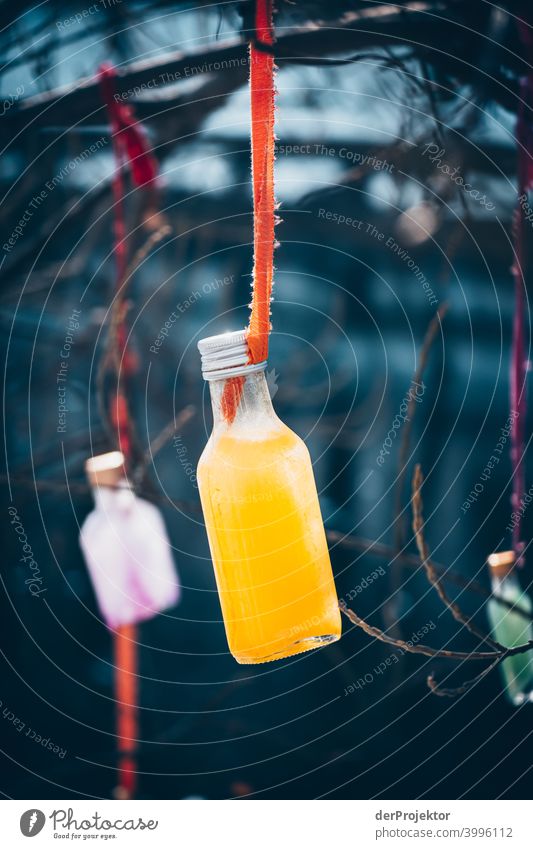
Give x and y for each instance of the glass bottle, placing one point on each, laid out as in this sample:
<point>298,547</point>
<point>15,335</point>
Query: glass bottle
<point>509,627</point>
<point>126,548</point>
<point>262,516</point>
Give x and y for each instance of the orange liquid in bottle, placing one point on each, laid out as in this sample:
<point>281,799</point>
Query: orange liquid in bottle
<point>267,540</point>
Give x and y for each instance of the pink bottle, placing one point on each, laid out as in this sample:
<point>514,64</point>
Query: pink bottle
<point>126,548</point>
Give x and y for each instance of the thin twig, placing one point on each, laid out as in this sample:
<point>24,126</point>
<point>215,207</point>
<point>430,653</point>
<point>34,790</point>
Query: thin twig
<point>419,648</point>
<point>412,561</point>
<point>161,440</point>
<point>453,692</point>
<point>119,307</point>
<point>431,572</point>
<point>431,334</point>
<point>497,656</point>
<point>110,359</point>
<point>428,650</point>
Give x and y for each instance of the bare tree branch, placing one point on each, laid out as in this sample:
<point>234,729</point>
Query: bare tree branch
<point>431,572</point>
<point>360,29</point>
<point>419,648</point>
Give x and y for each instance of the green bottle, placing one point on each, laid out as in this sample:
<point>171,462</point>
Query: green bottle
<point>510,628</point>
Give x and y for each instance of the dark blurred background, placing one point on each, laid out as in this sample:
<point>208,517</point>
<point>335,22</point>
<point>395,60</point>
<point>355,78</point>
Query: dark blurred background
<point>376,236</point>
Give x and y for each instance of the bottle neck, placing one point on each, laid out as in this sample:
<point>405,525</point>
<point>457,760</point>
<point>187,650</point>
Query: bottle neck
<point>249,397</point>
<point>109,498</point>
<point>505,583</point>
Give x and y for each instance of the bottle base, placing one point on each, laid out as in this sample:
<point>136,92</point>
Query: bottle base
<point>521,698</point>
<point>298,647</point>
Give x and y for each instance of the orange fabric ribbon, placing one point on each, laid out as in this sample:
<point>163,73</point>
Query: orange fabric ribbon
<point>262,143</point>
<point>262,114</point>
<point>126,695</point>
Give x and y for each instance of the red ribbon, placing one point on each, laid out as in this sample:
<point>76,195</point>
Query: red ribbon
<point>262,107</point>
<point>262,114</point>
<point>130,147</point>
<point>126,697</point>
<point>128,134</point>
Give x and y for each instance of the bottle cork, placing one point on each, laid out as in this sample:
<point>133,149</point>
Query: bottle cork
<point>501,563</point>
<point>105,469</point>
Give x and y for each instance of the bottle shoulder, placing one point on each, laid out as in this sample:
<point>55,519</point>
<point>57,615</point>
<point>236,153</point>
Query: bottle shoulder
<point>204,456</point>
<point>246,448</point>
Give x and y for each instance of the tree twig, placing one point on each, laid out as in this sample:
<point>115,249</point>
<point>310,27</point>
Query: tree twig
<point>412,561</point>
<point>427,344</point>
<point>419,648</point>
<point>500,652</point>
<point>355,30</point>
<point>161,440</point>
<point>453,692</point>
<point>431,572</point>
<point>110,359</point>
